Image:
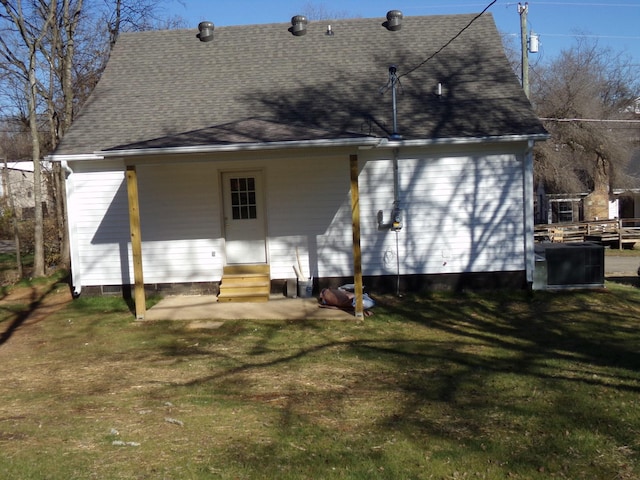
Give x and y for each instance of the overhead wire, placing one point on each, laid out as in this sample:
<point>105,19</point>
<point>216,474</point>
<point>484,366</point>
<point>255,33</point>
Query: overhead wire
<point>588,120</point>
<point>421,64</point>
<point>584,4</point>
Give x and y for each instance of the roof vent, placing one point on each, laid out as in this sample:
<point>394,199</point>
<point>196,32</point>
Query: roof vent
<point>394,20</point>
<point>329,31</point>
<point>298,25</point>
<point>206,31</point>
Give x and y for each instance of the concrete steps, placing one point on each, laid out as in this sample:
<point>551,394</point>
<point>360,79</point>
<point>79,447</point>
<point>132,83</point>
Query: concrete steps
<point>245,283</point>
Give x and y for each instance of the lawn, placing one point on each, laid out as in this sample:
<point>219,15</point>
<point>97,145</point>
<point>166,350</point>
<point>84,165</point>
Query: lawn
<point>474,386</point>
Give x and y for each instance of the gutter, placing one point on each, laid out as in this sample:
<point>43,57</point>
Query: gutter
<point>63,159</point>
<point>528,199</point>
<point>76,270</point>
<point>389,143</point>
<point>361,143</point>
<point>239,147</point>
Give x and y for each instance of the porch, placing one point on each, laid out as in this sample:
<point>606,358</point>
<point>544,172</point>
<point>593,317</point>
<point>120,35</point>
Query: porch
<point>619,233</point>
<point>206,308</point>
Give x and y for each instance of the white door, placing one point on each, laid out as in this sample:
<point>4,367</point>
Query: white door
<point>244,224</point>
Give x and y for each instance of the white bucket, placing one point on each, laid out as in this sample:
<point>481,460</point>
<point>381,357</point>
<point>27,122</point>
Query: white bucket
<point>305,288</point>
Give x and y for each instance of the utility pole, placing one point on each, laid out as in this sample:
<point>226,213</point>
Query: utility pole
<point>523,10</point>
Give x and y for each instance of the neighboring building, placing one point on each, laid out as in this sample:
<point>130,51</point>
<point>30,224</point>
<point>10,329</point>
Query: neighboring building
<point>635,106</point>
<point>570,208</point>
<point>247,149</point>
<point>601,204</point>
<point>17,178</point>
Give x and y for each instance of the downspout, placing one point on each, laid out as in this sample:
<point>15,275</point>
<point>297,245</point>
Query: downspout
<point>396,218</point>
<point>528,220</point>
<point>76,272</point>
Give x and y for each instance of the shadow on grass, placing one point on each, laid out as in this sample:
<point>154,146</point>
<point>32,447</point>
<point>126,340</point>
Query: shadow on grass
<point>16,313</point>
<point>472,370</point>
<point>625,280</point>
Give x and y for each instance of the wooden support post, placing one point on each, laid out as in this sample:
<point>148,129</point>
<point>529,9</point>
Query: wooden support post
<point>136,241</point>
<point>357,253</point>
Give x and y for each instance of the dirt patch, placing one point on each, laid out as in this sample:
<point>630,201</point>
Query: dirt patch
<point>26,306</point>
<point>204,325</point>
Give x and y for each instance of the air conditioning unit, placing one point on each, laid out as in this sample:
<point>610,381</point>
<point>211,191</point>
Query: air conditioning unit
<point>568,265</point>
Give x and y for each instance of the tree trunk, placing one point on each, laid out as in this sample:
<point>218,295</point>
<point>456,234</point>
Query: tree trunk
<point>61,217</point>
<point>32,37</point>
<point>38,243</point>
<point>601,174</point>
<point>70,22</point>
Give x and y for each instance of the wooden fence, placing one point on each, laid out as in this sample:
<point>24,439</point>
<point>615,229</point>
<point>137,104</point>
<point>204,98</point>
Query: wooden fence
<point>620,233</point>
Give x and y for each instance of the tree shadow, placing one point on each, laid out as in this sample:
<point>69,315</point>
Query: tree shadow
<point>560,343</point>
<point>629,280</point>
<point>17,319</point>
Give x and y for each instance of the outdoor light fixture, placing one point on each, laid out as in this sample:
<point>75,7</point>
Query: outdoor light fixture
<point>394,20</point>
<point>206,31</point>
<point>298,25</point>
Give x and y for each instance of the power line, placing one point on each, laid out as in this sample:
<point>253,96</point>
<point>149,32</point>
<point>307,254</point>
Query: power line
<point>421,64</point>
<point>444,5</point>
<point>591,120</point>
<point>586,4</point>
<point>587,35</point>
<point>533,2</point>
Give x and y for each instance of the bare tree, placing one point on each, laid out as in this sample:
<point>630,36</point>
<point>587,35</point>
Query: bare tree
<point>135,15</point>
<point>31,32</point>
<point>583,96</point>
<point>59,51</point>
<point>52,54</point>
<point>318,12</point>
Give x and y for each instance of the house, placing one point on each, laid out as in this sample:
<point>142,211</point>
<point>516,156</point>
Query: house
<point>391,152</point>
<point>620,202</point>
<point>16,180</point>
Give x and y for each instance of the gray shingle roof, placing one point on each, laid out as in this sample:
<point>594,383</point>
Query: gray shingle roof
<point>259,83</point>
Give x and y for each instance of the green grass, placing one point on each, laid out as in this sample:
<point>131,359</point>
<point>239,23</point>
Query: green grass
<point>487,386</point>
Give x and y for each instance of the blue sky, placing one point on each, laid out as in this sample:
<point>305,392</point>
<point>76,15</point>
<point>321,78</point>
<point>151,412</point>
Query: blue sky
<point>612,23</point>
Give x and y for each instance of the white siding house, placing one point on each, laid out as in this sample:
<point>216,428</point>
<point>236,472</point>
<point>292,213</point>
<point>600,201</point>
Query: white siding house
<point>16,179</point>
<point>255,165</point>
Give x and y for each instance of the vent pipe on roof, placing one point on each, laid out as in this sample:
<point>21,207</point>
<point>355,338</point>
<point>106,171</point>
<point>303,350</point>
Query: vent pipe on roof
<point>298,25</point>
<point>206,31</point>
<point>394,20</point>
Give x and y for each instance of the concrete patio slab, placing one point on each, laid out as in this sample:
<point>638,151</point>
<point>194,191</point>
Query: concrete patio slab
<point>207,308</point>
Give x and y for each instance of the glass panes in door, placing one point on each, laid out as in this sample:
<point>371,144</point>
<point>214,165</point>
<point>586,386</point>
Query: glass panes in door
<point>243,198</point>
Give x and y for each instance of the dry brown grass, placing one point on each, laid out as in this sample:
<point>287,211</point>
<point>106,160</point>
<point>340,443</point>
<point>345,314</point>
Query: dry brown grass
<point>476,386</point>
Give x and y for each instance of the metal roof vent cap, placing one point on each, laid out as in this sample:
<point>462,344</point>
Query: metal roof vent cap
<point>206,31</point>
<point>394,20</point>
<point>298,25</point>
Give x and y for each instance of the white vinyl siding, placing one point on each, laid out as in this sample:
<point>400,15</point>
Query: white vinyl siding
<point>180,225</point>
<point>99,219</point>
<point>309,214</point>
<point>461,212</point>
